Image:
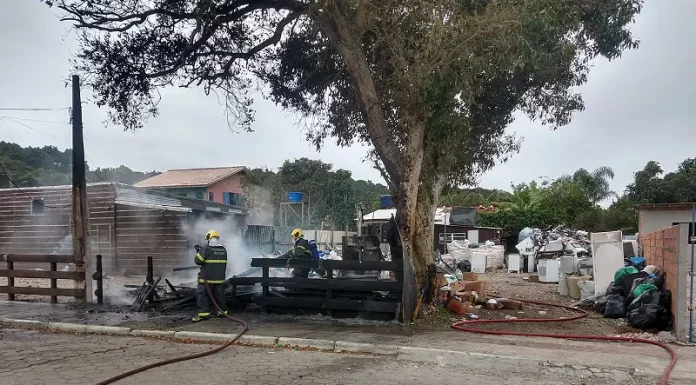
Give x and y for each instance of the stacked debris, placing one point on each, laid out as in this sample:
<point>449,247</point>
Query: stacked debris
<point>463,295</point>
<point>479,257</point>
<point>561,235</point>
<point>638,296</point>
<point>154,296</point>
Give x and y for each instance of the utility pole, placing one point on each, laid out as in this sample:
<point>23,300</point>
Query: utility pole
<point>80,214</point>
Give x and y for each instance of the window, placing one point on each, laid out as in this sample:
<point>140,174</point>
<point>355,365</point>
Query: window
<point>211,197</point>
<point>37,206</point>
<point>199,195</point>
<point>233,199</point>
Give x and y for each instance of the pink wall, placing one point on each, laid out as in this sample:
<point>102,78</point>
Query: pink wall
<point>232,184</point>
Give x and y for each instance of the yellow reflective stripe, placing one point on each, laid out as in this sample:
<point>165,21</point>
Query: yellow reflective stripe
<point>200,257</point>
<point>203,314</point>
<point>215,261</point>
<point>213,281</point>
<point>302,247</point>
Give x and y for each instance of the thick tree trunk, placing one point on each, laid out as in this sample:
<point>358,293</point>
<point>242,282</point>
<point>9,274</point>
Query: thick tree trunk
<point>415,201</point>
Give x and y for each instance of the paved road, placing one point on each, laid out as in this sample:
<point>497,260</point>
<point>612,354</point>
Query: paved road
<point>36,358</point>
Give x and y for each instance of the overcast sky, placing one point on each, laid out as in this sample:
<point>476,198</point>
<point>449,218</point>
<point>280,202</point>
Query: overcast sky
<point>639,108</point>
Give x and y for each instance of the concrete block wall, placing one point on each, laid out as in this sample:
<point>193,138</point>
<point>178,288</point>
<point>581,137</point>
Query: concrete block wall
<point>669,248</point>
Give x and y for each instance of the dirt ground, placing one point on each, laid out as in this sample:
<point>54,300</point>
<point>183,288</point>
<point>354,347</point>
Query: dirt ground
<point>501,284</point>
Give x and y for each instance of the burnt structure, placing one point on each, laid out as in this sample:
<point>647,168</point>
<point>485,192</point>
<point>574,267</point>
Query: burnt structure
<point>126,224</point>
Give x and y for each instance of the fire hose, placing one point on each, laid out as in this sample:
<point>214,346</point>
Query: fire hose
<point>460,325</point>
<point>189,357</point>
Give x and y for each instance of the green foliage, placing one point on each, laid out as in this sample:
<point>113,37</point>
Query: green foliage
<point>650,187</point>
<point>512,221</point>
<point>332,195</point>
<point>48,166</point>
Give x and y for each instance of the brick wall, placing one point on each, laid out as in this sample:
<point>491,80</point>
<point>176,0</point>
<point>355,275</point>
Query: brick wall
<point>661,248</point>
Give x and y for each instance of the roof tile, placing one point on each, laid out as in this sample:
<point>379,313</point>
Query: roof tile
<point>193,177</point>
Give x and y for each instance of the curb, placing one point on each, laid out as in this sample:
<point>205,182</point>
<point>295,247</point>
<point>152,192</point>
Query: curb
<point>406,353</point>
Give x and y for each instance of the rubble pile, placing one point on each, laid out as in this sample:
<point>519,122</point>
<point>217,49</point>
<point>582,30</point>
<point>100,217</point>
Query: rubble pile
<point>638,296</point>
<point>559,236</point>
<point>459,252</point>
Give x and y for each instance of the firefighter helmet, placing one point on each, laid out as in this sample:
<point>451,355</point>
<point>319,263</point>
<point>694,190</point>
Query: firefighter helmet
<point>297,233</point>
<point>211,234</point>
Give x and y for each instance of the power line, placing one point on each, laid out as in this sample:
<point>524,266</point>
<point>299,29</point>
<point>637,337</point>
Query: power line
<point>29,127</point>
<point>7,175</point>
<point>95,169</point>
<point>33,109</point>
<point>33,120</point>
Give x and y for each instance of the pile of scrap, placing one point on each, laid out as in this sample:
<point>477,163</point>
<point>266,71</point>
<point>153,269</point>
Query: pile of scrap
<point>152,295</point>
<point>471,257</point>
<point>170,297</point>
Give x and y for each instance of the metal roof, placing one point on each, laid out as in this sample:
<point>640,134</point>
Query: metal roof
<point>667,206</point>
<point>193,177</point>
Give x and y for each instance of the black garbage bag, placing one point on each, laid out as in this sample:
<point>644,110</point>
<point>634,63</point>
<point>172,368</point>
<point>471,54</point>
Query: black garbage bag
<point>666,302</point>
<point>600,304</point>
<point>650,316</point>
<point>658,280</point>
<point>628,283</point>
<point>613,289</point>
<point>641,279</point>
<point>649,297</point>
<point>615,306</point>
<point>464,266</point>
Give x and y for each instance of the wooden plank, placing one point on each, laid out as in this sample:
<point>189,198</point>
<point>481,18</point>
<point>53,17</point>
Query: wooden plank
<point>42,274</point>
<point>43,291</point>
<point>328,264</point>
<point>321,284</point>
<point>320,303</point>
<point>38,258</point>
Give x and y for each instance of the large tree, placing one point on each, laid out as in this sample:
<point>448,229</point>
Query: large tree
<point>430,85</point>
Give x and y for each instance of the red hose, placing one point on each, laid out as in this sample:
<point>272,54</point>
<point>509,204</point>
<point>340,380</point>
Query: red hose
<point>184,358</point>
<point>582,314</point>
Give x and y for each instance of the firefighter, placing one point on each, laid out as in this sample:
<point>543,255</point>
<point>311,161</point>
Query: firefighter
<point>300,250</point>
<point>213,261</point>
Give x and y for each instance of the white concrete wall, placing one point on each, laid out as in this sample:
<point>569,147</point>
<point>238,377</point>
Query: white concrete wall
<point>653,220</point>
<point>682,296</point>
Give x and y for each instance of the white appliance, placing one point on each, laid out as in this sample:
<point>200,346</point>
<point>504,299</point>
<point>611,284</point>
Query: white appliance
<point>607,257</point>
<point>514,263</point>
<point>473,236</point>
<point>549,270</point>
<point>478,262</point>
<point>531,259</point>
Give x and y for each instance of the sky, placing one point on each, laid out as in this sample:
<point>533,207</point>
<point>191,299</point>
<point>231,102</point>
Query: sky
<point>638,108</point>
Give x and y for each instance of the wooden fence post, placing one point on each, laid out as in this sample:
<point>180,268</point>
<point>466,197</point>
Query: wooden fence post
<point>54,282</point>
<point>10,280</point>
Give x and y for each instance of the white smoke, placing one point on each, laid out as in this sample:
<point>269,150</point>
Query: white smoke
<point>238,255</point>
<point>259,205</point>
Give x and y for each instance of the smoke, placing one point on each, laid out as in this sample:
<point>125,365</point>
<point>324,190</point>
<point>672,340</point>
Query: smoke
<point>238,254</point>
<point>259,204</point>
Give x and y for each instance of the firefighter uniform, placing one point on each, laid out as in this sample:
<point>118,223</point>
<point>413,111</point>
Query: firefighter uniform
<point>300,250</point>
<point>213,261</point>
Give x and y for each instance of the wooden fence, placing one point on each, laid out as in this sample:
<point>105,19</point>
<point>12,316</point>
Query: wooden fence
<point>330,286</point>
<point>52,274</point>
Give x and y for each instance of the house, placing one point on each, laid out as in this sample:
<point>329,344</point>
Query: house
<point>127,225</point>
<point>221,184</point>
<point>653,217</point>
